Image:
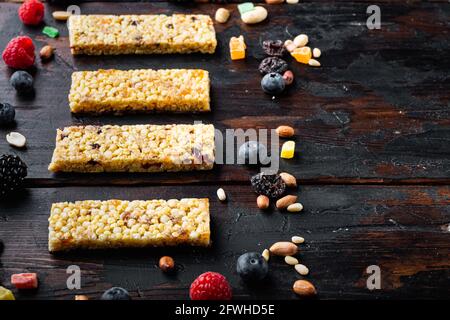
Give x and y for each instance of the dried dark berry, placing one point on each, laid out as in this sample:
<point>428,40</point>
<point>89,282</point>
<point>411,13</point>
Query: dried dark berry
<point>274,48</point>
<point>273,64</point>
<point>12,174</point>
<point>270,185</point>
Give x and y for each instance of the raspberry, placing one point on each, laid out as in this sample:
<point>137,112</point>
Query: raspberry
<point>19,53</point>
<point>210,286</point>
<point>31,12</point>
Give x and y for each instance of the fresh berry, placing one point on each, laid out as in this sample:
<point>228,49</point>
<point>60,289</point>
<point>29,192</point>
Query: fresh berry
<point>24,280</point>
<point>22,81</point>
<point>274,48</point>
<point>116,293</point>
<point>31,12</point>
<point>19,53</point>
<point>272,64</point>
<point>270,185</point>
<point>210,286</point>
<point>251,266</point>
<point>7,114</point>
<point>273,83</point>
<point>12,173</point>
<point>252,152</point>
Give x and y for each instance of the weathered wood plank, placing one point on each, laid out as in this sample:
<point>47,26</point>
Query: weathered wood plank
<point>377,110</point>
<point>404,230</point>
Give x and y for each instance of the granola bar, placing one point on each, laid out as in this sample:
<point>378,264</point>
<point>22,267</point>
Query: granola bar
<point>141,34</point>
<point>134,148</point>
<point>117,223</point>
<point>117,91</point>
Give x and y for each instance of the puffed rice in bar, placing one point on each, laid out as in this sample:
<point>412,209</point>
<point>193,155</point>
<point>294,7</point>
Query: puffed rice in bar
<point>116,223</point>
<point>119,91</point>
<point>141,34</point>
<point>134,148</point>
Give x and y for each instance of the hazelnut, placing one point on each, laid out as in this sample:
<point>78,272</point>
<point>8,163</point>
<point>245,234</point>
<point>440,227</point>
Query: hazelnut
<point>166,264</point>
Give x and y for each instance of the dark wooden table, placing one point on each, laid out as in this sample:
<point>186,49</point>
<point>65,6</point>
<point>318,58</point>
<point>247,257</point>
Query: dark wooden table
<point>373,163</point>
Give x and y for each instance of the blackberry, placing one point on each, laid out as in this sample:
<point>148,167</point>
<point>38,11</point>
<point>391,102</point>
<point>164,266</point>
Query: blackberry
<point>7,114</point>
<point>12,173</point>
<point>270,185</point>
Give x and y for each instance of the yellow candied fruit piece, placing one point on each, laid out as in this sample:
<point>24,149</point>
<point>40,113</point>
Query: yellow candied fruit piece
<point>6,294</point>
<point>237,48</point>
<point>288,149</point>
<point>302,55</point>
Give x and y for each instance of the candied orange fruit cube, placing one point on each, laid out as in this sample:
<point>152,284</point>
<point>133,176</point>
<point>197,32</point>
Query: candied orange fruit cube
<point>302,55</point>
<point>237,48</point>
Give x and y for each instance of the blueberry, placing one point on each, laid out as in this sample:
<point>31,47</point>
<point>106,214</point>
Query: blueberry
<point>252,152</point>
<point>251,266</point>
<point>22,81</point>
<point>273,83</point>
<point>116,293</point>
<point>7,113</point>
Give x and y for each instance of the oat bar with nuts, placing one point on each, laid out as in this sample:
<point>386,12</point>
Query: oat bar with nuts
<point>119,91</point>
<point>116,223</point>
<point>141,34</point>
<point>134,148</point>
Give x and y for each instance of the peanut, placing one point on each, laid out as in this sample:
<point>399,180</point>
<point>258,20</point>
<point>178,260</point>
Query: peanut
<point>295,207</point>
<point>301,40</point>
<point>262,202</point>
<point>285,131</point>
<point>304,288</point>
<point>81,297</point>
<point>317,53</point>
<point>283,248</point>
<point>46,52</point>
<point>221,194</point>
<point>314,63</point>
<point>61,15</point>
<point>288,179</point>
<point>285,202</point>
<point>257,15</point>
<point>166,264</point>
<point>274,1</point>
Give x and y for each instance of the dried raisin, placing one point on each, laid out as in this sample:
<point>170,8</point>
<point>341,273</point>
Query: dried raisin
<point>273,64</point>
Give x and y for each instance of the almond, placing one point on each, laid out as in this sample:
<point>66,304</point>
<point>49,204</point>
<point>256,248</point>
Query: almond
<point>288,179</point>
<point>81,297</point>
<point>304,288</point>
<point>263,202</point>
<point>285,131</point>
<point>286,201</point>
<point>283,248</point>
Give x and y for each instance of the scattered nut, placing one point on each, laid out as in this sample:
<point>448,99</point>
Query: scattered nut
<point>266,254</point>
<point>292,261</point>
<point>302,269</point>
<point>290,45</point>
<point>314,63</point>
<point>285,202</point>
<point>81,297</point>
<point>256,15</point>
<point>221,194</point>
<point>16,139</point>
<point>274,1</point>
<point>317,53</point>
<point>288,179</point>
<point>61,15</point>
<point>262,202</point>
<point>292,1</point>
<point>283,248</point>
<point>285,131</point>
<point>166,264</point>
<point>222,15</point>
<point>295,207</point>
<point>301,40</point>
<point>46,52</point>
<point>304,288</point>
<point>297,239</point>
<point>288,77</point>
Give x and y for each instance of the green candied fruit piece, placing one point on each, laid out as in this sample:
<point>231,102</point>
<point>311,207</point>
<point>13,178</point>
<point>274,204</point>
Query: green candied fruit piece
<point>246,7</point>
<point>6,294</point>
<point>50,31</point>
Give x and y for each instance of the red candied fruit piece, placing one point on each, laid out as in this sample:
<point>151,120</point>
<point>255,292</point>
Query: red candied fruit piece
<point>24,280</point>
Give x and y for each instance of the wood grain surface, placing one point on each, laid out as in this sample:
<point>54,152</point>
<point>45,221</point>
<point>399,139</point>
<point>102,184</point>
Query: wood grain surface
<point>373,156</point>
